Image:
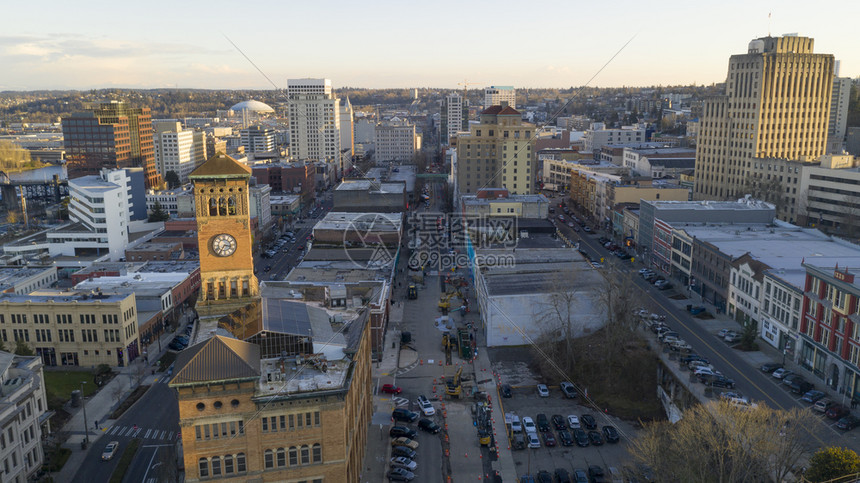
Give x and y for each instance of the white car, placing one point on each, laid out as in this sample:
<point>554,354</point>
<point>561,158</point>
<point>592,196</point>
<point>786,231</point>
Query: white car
<point>534,442</point>
<point>403,462</point>
<point>516,425</point>
<point>529,425</point>
<point>542,390</point>
<point>722,333</point>
<point>781,373</point>
<point>110,450</point>
<point>573,421</point>
<point>425,406</point>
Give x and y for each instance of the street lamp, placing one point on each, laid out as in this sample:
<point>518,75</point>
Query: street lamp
<point>84,406</point>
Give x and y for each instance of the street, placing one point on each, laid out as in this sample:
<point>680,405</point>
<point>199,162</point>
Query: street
<point>154,419</point>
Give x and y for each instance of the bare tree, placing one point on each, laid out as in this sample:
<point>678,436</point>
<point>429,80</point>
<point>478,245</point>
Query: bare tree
<point>117,392</point>
<point>618,297</point>
<point>849,207</point>
<point>559,317</point>
<point>722,442</point>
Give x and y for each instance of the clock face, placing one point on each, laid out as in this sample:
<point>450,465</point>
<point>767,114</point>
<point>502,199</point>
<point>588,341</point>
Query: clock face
<point>223,245</point>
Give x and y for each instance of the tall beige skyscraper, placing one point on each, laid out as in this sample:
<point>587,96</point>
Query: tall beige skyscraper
<point>314,121</point>
<point>777,104</point>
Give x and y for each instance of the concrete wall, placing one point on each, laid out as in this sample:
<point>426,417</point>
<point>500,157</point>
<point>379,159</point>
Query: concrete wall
<point>514,319</point>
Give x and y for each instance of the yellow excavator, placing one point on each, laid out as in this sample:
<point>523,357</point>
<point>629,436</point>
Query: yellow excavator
<point>454,388</point>
<point>445,300</point>
<point>412,292</point>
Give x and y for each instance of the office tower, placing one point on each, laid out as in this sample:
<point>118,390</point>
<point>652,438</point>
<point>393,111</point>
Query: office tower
<point>112,135</point>
<point>497,153</point>
<point>455,117</point>
<point>838,123</point>
<point>777,104</point>
<point>347,133</point>
<point>395,141</point>
<point>258,139</point>
<point>496,95</point>
<point>177,149</point>
<point>314,122</point>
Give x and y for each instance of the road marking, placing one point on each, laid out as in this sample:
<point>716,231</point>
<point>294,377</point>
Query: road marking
<point>113,430</point>
<point>138,430</point>
<point>163,434</point>
<point>149,465</point>
<point>146,436</point>
<point>130,431</point>
<point>170,436</point>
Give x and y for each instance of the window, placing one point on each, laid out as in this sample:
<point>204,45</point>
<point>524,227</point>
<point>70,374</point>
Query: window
<point>306,455</point>
<point>216,466</point>
<point>197,432</point>
<point>294,456</point>
<point>268,459</point>
<point>240,462</point>
<point>265,425</point>
<point>228,464</point>
<point>316,418</point>
<point>282,458</point>
<point>203,467</point>
<point>317,453</point>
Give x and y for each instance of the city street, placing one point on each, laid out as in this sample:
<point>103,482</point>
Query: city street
<point>154,419</point>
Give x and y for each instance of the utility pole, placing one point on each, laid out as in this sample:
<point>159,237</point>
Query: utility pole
<point>86,428</point>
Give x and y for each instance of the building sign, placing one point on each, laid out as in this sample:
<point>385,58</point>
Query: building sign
<point>844,276</point>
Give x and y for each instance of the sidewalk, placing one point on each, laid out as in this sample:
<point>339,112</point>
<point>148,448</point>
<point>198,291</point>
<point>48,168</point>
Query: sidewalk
<point>103,403</point>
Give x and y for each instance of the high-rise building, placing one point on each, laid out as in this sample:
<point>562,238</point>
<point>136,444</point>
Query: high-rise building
<point>496,95</point>
<point>395,141</point>
<point>497,153</point>
<point>838,123</point>
<point>455,117</point>
<point>258,139</point>
<point>347,132</point>
<point>777,104</point>
<point>314,122</point>
<point>112,135</point>
<point>177,149</point>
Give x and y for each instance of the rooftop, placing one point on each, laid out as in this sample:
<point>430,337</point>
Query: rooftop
<point>405,173</point>
<point>93,184</point>
<point>474,200</point>
<point>740,205</point>
<point>155,247</point>
<point>220,166</point>
<point>540,271</point>
<point>372,185</point>
<point>361,222</point>
<point>10,276</point>
<point>63,296</point>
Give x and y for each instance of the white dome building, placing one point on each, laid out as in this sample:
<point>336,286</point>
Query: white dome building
<point>253,106</point>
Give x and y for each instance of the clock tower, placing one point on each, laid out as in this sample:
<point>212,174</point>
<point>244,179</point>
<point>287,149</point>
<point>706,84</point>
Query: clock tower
<point>224,234</point>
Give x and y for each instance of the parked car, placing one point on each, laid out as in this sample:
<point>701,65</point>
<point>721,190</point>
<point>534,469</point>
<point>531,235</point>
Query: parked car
<point>561,474</point>
<point>406,415</point>
<point>800,386</point>
<point>791,377</point>
<point>848,423</point>
<point>823,404</point>
<point>596,474</point>
<point>400,474</point>
<point>506,390</point>
<point>516,425</point>
<point>534,442</point>
<point>542,390</point>
<point>548,439</point>
<point>544,476</point>
<point>723,382</point>
<point>425,406</point>
<point>580,476</point>
<point>611,434</point>
<point>837,412</point>
<point>398,431</point>
<point>568,389</point>
<point>732,337</point>
<point>663,285</point>
<point>781,373</point>
<point>401,462</point>
<point>558,422</point>
<point>812,396</point>
<point>581,437</point>
<point>529,425</point>
<point>588,421</point>
<point>573,421</point>
<point>406,442</point>
<point>429,426</point>
<point>390,389</point>
<point>770,367</point>
<point>565,437</point>
<point>403,451</point>
<point>542,422</point>
<point>595,438</point>
<point>110,450</point>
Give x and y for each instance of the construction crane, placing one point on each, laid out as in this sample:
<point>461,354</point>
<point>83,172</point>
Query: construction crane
<point>466,85</point>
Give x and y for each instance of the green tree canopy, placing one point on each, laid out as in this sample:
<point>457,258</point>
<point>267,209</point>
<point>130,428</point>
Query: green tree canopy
<point>158,213</point>
<point>172,179</point>
<point>22,349</point>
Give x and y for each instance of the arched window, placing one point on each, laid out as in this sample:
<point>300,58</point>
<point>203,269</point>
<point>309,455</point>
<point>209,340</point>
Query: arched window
<point>222,206</point>
<point>216,466</point>
<point>228,464</point>
<point>213,207</point>
<point>294,456</point>
<point>231,205</point>
<point>317,453</point>
<point>268,459</point>
<point>240,463</point>
<point>203,467</point>
<point>282,458</point>
<point>306,455</point>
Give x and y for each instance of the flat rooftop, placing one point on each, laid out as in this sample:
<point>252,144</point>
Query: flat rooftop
<point>155,247</point>
<point>57,296</point>
<point>540,271</point>
<point>405,173</point>
<point>361,222</point>
<point>776,246</point>
<point>370,185</point>
<point>741,205</point>
<point>474,200</point>
<point>9,276</point>
<point>334,272</point>
<point>174,266</point>
<point>93,184</point>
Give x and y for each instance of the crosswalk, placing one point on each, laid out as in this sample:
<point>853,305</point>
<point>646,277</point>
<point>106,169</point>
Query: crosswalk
<point>143,433</point>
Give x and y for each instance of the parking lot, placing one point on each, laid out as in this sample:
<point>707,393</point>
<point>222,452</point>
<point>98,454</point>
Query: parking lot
<point>526,402</point>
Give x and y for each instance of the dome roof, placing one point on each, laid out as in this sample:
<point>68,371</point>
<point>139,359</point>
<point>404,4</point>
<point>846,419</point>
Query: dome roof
<point>252,105</point>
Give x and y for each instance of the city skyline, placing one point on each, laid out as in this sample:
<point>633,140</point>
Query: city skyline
<point>389,45</point>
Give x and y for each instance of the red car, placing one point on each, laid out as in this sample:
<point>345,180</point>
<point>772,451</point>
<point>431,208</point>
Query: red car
<point>391,389</point>
<point>837,412</point>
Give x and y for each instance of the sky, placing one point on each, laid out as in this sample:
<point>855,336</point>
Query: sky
<point>96,44</point>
